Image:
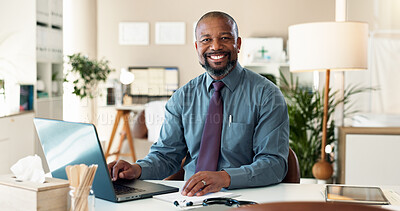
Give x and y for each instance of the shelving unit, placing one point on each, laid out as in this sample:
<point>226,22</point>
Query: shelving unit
<point>17,67</point>
<point>49,51</point>
<point>269,68</point>
<point>49,63</point>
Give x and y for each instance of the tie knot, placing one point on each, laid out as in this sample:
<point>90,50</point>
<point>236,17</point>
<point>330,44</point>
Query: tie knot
<point>218,85</point>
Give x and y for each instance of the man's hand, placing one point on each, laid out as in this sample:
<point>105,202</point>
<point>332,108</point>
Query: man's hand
<point>124,170</point>
<point>206,181</point>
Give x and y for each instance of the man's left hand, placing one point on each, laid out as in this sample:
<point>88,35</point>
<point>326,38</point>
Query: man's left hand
<point>205,182</point>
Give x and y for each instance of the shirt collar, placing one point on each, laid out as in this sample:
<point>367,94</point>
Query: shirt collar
<point>230,81</point>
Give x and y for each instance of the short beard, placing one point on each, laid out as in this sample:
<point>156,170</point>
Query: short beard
<point>220,71</point>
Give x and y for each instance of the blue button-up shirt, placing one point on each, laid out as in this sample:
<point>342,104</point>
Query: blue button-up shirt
<point>255,131</point>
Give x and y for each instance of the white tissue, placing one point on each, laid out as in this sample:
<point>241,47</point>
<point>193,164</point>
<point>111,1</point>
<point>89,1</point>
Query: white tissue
<point>29,169</point>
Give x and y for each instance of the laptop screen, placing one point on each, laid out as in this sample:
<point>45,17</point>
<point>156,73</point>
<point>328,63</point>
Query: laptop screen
<point>70,143</point>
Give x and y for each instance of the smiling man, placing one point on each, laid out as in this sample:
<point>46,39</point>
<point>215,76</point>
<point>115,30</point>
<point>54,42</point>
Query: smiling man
<point>230,123</point>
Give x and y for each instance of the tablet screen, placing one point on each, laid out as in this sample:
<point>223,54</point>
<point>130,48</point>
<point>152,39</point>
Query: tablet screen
<point>370,195</point>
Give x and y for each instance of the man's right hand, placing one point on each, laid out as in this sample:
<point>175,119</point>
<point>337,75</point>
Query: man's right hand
<point>121,169</point>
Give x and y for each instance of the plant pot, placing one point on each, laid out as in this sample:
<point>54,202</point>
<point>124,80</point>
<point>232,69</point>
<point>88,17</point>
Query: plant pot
<point>308,181</point>
<point>314,181</point>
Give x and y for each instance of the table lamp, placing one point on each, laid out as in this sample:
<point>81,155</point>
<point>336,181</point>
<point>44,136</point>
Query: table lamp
<point>126,78</point>
<point>326,46</point>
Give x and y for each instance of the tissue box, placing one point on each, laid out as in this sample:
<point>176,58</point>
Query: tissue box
<point>26,195</point>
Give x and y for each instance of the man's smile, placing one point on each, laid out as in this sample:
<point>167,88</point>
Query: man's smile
<point>217,57</point>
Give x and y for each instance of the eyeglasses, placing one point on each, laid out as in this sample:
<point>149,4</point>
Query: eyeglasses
<point>227,201</point>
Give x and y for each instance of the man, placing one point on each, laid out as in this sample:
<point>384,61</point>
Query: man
<point>249,125</point>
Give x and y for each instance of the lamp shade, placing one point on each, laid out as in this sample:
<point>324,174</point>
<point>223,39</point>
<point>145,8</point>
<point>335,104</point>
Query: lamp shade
<point>328,45</point>
<point>126,77</point>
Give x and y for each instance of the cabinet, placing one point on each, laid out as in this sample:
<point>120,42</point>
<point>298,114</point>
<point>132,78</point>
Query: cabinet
<point>368,155</point>
<point>49,51</point>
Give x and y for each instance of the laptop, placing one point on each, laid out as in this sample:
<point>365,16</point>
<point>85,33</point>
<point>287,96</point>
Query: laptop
<point>70,143</point>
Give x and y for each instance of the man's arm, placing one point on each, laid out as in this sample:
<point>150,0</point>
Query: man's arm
<point>166,154</point>
<point>164,157</point>
<point>270,146</point>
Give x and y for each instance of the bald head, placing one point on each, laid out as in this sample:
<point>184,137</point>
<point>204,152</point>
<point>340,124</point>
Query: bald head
<point>218,14</point>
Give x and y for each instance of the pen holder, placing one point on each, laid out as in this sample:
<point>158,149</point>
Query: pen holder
<point>81,199</point>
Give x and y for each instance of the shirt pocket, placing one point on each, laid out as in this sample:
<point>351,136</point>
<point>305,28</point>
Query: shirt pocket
<point>239,138</point>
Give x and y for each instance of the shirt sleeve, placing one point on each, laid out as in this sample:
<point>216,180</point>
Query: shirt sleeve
<point>270,145</point>
<point>165,156</point>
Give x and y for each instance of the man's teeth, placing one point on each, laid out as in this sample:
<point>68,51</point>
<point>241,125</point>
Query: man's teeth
<point>216,57</point>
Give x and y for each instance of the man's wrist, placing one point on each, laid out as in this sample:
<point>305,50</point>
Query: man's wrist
<point>137,169</point>
<point>227,178</point>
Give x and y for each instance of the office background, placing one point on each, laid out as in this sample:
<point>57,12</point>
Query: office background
<point>91,27</point>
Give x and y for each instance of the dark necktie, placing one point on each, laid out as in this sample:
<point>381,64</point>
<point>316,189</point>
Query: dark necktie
<point>211,138</point>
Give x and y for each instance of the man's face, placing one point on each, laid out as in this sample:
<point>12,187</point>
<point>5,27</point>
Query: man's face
<point>217,45</point>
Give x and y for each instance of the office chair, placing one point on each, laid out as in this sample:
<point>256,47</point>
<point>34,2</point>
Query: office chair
<point>306,206</point>
<point>293,173</point>
<point>292,176</point>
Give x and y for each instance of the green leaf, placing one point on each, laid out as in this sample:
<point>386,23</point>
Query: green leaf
<point>91,73</point>
<point>305,109</point>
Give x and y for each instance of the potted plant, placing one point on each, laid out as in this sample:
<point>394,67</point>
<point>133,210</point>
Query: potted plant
<point>87,75</point>
<point>305,109</point>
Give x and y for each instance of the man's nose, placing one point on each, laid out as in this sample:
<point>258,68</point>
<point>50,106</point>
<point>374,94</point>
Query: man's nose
<point>216,45</point>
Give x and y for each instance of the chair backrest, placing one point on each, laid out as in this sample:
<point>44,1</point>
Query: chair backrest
<point>292,176</point>
<point>180,175</point>
<point>293,173</point>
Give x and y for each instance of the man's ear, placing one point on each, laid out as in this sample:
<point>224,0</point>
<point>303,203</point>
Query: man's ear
<point>239,43</point>
<point>195,44</point>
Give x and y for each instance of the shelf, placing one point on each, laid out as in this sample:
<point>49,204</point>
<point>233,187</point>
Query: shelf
<point>49,59</point>
<point>49,99</point>
<point>17,114</point>
<point>271,64</point>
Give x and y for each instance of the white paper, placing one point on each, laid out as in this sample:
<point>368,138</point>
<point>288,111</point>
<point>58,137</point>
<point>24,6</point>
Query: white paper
<point>196,200</point>
<point>29,169</point>
<point>393,197</point>
<point>170,33</point>
<point>134,33</point>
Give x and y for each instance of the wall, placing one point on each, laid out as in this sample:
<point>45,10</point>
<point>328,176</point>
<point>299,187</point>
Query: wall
<point>80,36</point>
<point>380,15</point>
<point>255,18</point>
<point>80,28</point>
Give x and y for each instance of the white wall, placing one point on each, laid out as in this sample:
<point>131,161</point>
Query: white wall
<point>256,18</point>
<point>380,15</point>
<point>80,36</point>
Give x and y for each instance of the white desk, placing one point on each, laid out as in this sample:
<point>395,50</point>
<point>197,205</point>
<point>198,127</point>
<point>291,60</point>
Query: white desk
<point>275,193</point>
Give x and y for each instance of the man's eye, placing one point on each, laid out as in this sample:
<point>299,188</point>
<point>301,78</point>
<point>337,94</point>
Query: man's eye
<point>205,40</point>
<point>225,38</point>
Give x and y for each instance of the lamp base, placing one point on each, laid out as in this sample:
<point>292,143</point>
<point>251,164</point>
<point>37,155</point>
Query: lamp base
<point>322,170</point>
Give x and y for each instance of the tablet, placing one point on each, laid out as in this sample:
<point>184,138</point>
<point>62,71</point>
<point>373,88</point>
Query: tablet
<point>355,194</point>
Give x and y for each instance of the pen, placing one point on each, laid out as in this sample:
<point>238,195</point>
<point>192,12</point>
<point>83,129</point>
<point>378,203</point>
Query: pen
<point>230,120</point>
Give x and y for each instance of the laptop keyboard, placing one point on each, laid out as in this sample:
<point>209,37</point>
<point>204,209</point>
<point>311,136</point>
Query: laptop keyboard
<point>121,189</point>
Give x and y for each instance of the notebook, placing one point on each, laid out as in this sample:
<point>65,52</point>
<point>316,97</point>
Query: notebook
<point>355,194</point>
<point>70,143</point>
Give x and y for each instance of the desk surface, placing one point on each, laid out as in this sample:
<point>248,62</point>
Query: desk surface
<point>275,193</point>
<point>133,107</point>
